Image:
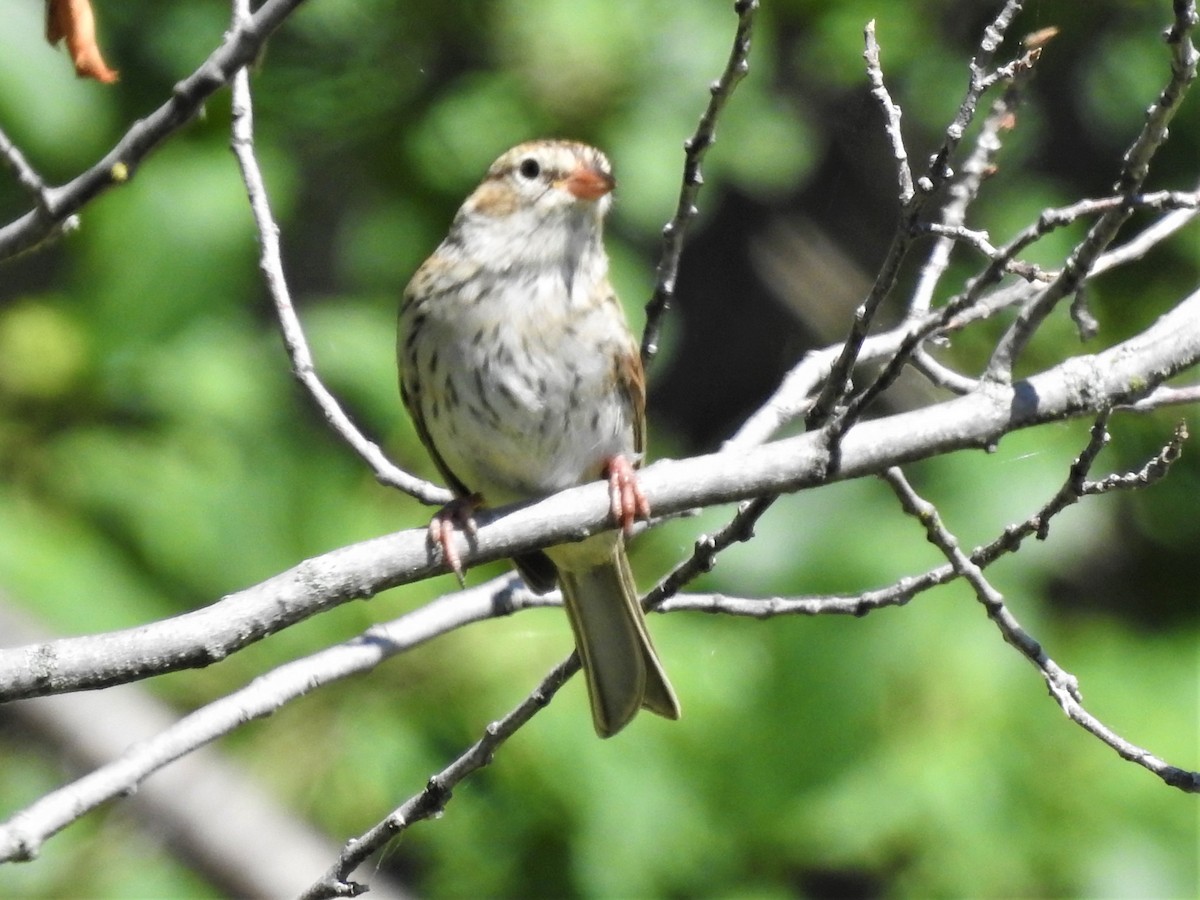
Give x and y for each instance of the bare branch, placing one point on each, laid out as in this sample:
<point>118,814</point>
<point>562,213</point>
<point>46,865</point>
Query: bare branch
<point>239,48</point>
<point>1149,238</point>
<point>963,189</point>
<point>206,807</point>
<point>793,398</point>
<point>695,148</point>
<point>28,178</point>
<point>1134,170</point>
<point>1155,469</point>
<point>26,175</point>
<point>1080,386</point>
<point>980,81</point>
<point>1186,202</point>
<point>891,114</point>
<point>432,800</point>
<point>740,529</point>
<point>1064,687</point>
<point>856,605</point>
<point>22,836</point>
<point>303,368</point>
<point>979,241</point>
<point>1001,261</point>
<point>911,207</point>
<point>1073,489</point>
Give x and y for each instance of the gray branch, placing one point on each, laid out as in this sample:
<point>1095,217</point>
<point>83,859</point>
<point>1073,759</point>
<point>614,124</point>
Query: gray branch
<point>1132,375</point>
<point>22,836</point>
<point>294,341</point>
<point>1135,168</point>
<point>1081,386</point>
<point>695,149</point>
<point>56,205</point>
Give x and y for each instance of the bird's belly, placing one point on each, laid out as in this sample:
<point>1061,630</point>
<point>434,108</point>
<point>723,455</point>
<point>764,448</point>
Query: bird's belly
<point>515,421</point>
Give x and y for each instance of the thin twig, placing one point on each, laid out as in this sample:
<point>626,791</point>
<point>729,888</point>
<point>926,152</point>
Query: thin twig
<point>1064,687</point>
<point>833,392</point>
<point>271,265</point>
<point>1155,469</point>
<point>979,81</point>
<point>1147,239</point>
<point>964,189</point>
<point>119,165</point>
<point>1135,168</point>
<point>432,799</point>
<point>695,148</point>
<point>740,529</point>
<point>33,183</point>
<point>891,112</point>
<point>948,235</point>
<point>1002,260</point>
<point>836,385</point>
<point>1185,202</point>
<point>25,173</point>
<point>941,376</point>
<point>1074,488</point>
<point>795,395</point>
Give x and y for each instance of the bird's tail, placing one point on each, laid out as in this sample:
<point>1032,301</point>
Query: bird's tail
<point>622,670</point>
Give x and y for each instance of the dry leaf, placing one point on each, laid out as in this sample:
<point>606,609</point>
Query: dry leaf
<point>73,20</point>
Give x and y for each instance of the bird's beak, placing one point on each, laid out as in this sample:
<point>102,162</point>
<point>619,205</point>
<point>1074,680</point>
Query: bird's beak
<point>588,183</point>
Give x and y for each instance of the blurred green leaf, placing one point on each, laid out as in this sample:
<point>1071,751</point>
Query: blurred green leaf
<point>155,454</point>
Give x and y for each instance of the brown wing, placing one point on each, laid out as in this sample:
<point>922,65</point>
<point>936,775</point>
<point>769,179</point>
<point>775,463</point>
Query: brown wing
<point>412,404</point>
<point>631,381</point>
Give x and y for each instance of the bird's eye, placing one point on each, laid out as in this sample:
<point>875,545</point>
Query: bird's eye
<point>529,168</point>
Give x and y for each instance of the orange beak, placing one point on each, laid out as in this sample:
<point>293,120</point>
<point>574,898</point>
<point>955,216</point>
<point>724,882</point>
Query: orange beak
<point>586,183</point>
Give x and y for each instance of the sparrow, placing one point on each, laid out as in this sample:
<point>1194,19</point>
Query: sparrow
<point>522,379</point>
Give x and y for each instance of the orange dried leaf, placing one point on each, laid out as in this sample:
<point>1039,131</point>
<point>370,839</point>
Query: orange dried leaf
<point>73,20</point>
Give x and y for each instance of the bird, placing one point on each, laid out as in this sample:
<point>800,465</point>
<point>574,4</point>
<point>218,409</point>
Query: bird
<point>522,378</point>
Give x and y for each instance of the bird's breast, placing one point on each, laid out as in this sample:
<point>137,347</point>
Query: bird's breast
<point>520,393</point>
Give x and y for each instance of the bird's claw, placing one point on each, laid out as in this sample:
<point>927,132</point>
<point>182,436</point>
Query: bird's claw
<point>625,495</point>
<point>458,514</point>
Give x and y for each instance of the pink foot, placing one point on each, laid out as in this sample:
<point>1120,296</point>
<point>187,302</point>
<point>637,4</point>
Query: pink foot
<point>457,514</point>
<point>625,494</point>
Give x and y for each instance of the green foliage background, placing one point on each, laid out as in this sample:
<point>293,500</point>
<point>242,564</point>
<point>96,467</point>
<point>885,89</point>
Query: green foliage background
<point>155,454</point>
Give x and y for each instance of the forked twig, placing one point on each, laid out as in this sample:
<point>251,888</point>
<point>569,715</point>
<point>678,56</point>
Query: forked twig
<point>822,411</point>
<point>1135,167</point>
<point>1063,686</point>
<point>54,212</point>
